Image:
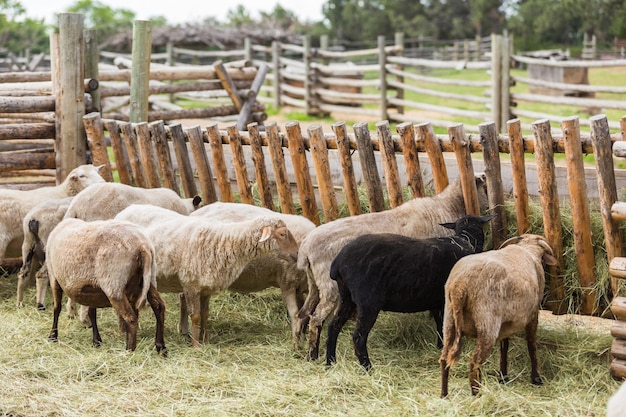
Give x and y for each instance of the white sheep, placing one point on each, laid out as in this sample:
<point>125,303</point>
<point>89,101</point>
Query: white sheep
<point>108,199</point>
<point>15,204</point>
<point>199,257</point>
<point>616,406</point>
<point>418,218</point>
<point>102,264</point>
<point>489,297</point>
<point>37,225</point>
<point>268,271</point>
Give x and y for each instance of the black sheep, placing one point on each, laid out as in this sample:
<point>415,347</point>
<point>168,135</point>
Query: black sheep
<point>392,272</point>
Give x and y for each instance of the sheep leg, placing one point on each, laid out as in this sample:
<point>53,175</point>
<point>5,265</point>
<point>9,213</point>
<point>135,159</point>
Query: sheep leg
<point>328,302</point>
<point>304,315</point>
<point>344,313</point>
<point>290,299</point>
<point>57,295</point>
<point>158,307</point>
<point>437,315</point>
<point>96,339</point>
<point>183,322</point>
<point>365,320</point>
<point>25,277</point>
<point>504,360</point>
<point>204,317</point>
<point>41,283</point>
<point>484,344</point>
<point>531,342</point>
<point>445,373</point>
<point>193,304</point>
<point>130,317</point>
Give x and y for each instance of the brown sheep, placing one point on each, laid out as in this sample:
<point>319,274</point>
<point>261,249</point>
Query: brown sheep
<point>489,297</point>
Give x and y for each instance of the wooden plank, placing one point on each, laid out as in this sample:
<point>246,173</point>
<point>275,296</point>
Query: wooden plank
<point>618,329</point>
<point>162,148</point>
<point>134,154</point>
<point>544,154</point>
<point>607,189</point>
<point>466,169</point>
<point>371,179</point>
<point>390,167</point>
<point>148,155</point>
<point>618,369</point>
<point>301,171</point>
<point>196,142</point>
<point>246,107</point>
<point>618,308</point>
<point>221,172</point>
<point>518,168</point>
<point>256,144</point>
<point>581,219</point>
<point>618,210</point>
<point>27,131</point>
<point>426,135</point>
<point>239,162</point>
<point>411,159</point>
<point>618,349</point>
<point>283,187</point>
<point>617,267</point>
<point>95,138</point>
<point>182,158</point>
<point>122,162</point>
<point>228,84</point>
<point>31,159</point>
<point>350,187</point>
<point>319,152</point>
<point>495,189</point>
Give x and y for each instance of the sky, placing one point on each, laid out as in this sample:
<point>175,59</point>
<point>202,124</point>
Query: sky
<point>181,11</point>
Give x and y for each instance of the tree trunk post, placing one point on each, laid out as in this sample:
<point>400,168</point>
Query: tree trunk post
<point>140,72</point>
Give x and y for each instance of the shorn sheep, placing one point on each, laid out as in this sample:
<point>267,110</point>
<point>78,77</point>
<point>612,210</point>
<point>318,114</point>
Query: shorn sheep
<point>200,257</point>
<point>389,272</point>
<point>417,218</point>
<point>37,225</point>
<point>15,204</point>
<point>108,199</point>
<point>489,297</point>
<point>268,271</point>
<point>102,264</point>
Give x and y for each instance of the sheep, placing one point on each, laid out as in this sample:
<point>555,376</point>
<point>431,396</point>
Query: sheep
<point>200,258</point>
<point>15,204</point>
<point>489,297</point>
<point>391,272</point>
<point>108,199</point>
<point>417,218</point>
<point>37,225</point>
<point>268,271</point>
<point>616,406</point>
<point>102,264</point>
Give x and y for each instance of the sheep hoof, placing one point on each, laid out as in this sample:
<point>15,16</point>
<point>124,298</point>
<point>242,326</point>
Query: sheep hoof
<point>41,307</point>
<point>52,338</point>
<point>536,380</point>
<point>504,379</point>
<point>162,351</point>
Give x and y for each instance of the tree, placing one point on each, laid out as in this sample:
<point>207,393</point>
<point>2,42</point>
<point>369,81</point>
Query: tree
<point>19,33</point>
<point>105,19</point>
<point>239,16</point>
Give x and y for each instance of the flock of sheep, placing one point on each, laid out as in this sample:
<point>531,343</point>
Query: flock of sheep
<point>107,244</point>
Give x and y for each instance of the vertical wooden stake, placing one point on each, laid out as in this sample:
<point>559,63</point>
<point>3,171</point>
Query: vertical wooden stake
<point>518,166</point>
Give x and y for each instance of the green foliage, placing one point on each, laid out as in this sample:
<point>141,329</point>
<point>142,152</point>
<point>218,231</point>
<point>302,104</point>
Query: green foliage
<point>105,19</point>
<point>19,33</point>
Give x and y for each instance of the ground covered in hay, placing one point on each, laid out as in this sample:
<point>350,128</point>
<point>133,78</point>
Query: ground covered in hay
<point>250,368</point>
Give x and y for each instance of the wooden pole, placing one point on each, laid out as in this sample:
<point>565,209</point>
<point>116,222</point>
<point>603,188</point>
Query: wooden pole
<point>177,135</point>
<point>122,161</point>
<point>301,171</point>
<point>71,143</point>
<point>319,152</point>
<point>607,188</point>
<point>495,190</point>
<point>140,71</point>
<point>248,103</point>
<point>95,137</point>
<point>148,155</point>
<point>134,154</point>
<point>308,85</point>
<point>382,61</point>
<point>505,88</point>
<point>92,57</point>
<point>399,42</point>
<point>345,159</point>
<point>162,149</point>
<point>544,153</point>
<point>496,80</point>
<point>276,71</point>
<point>221,171</point>
<point>205,176</point>
<point>239,161</point>
<point>283,187</point>
<point>518,167</point>
<point>373,186</point>
<point>256,144</point>
<point>426,135</point>
<point>411,159</point>
<point>580,214</point>
<point>390,167</point>
<point>466,169</point>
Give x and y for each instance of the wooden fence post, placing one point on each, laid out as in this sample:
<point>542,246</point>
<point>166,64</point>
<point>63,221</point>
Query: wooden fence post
<point>602,151</point>
<point>140,71</point>
<point>134,154</point>
<point>221,172</point>
<point>495,190</point>
<point>247,49</point>
<point>283,187</point>
<point>177,135</point>
<point>390,167</point>
<point>95,137</point>
<point>239,160</point>
<point>466,169</point>
<point>382,61</point>
<point>411,159</point>
<point>319,152</point>
<point>276,71</point>
<point>148,154</point>
<point>518,167</point>
<point>205,176</point>
<point>399,42</point>
<point>308,85</point>
<point>92,57</point>
<point>544,152</point>
<point>496,80</point>
<point>256,144</point>
<point>580,214</point>
<point>71,144</point>
<point>505,81</point>
<point>122,160</point>
<point>349,182</point>
<point>368,166</point>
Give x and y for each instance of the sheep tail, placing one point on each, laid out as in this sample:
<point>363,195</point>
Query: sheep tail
<point>149,275</point>
<point>456,316</point>
<point>37,249</point>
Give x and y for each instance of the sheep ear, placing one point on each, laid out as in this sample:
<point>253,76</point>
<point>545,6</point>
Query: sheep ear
<point>197,202</point>
<point>267,232</point>
<point>485,219</point>
<point>549,259</point>
<point>448,225</point>
<point>100,167</point>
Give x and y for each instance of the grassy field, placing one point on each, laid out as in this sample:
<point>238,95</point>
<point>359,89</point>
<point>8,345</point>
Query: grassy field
<point>249,368</point>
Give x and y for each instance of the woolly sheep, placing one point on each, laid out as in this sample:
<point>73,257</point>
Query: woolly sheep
<point>616,406</point>
<point>102,264</point>
<point>37,225</point>
<point>108,199</point>
<point>391,272</point>
<point>268,271</point>
<point>489,297</point>
<point>195,256</point>
<point>15,204</point>
<point>418,218</point>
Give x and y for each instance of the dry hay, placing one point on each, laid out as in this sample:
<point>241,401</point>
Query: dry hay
<point>249,367</point>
